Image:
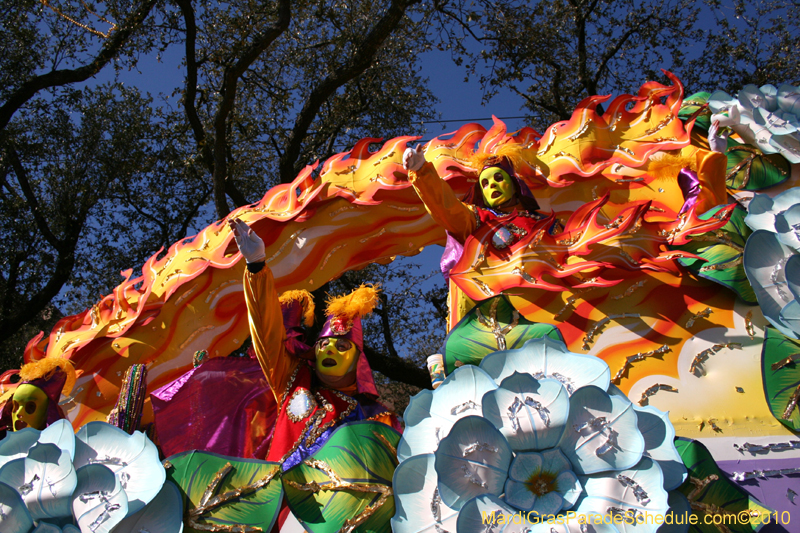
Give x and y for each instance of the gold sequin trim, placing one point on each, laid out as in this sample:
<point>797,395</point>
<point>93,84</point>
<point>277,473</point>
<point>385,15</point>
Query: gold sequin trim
<point>315,432</point>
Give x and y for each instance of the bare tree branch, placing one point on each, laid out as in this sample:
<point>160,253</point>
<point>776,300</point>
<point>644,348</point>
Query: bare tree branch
<point>357,64</point>
<point>55,78</point>
<point>228,92</point>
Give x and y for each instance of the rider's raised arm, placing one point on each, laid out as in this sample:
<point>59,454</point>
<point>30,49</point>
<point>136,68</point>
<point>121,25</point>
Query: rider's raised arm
<point>439,199</point>
<point>267,331</point>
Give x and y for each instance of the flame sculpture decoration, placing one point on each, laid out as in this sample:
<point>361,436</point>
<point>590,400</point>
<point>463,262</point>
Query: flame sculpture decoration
<point>590,171</point>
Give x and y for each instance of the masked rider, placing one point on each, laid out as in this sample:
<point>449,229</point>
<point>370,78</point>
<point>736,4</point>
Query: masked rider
<point>313,399</point>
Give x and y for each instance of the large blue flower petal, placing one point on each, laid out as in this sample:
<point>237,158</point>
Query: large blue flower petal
<point>16,444</point>
<point>720,101</point>
<point>133,458</point>
<point>488,514</point>
<point>99,502</point>
<point>518,495</point>
<point>164,514</point>
<point>762,209</point>
<point>548,505</point>
<point>419,408</point>
<point>548,358</point>
<point>525,464</point>
<point>602,432</point>
<point>15,517</point>
<point>787,224</point>
<point>555,461</point>
<point>44,527</point>
<point>530,413</point>
<point>45,479</point>
<point>416,495</point>
<point>472,460</point>
<point>433,413</point>
<point>680,509</point>
<point>792,272</point>
<point>634,493</point>
<point>659,444</point>
<point>461,393</point>
<point>569,487</point>
<point>789,99</point>
<point>764,261</point>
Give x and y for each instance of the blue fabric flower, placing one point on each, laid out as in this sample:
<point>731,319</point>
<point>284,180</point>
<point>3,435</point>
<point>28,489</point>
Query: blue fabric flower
<point>537,433</point>
<point>102,479</point>
<point>767,117</point>
<point>772,258</point>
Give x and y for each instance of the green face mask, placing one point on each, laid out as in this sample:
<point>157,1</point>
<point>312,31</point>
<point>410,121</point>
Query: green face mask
<point>497,186</point>
<point>29,407</point>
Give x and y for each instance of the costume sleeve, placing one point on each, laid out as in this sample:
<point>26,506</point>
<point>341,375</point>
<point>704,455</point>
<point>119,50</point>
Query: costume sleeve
<point>441,202</point>
<point>266,329</point>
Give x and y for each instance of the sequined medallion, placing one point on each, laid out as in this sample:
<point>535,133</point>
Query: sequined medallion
<point>300,405</point>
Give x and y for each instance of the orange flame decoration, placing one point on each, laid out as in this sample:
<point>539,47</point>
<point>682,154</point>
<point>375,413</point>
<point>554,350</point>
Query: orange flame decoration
<point>361,209</point>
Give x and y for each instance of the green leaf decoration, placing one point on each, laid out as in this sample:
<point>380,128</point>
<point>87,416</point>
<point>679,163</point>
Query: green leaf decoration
<point>750,169</point>
<point>347,482</point>
<point>780,370</point>
<point>723,250</point>
<point>473,339</point>
<point>719,496</point>
<point>691,105</point>
<point>226,492</point>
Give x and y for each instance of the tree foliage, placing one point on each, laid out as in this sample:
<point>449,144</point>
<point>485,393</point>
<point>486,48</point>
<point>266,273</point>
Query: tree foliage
<point>97,174</point>
<point>554,53</point>
<point>97,177</point>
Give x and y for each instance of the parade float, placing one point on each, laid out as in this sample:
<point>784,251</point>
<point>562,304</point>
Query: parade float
<point>622,350</point>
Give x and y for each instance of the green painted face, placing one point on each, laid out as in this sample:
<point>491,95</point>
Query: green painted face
<point>29,407</point>
<point>335,356</point>
<point>497,186</point>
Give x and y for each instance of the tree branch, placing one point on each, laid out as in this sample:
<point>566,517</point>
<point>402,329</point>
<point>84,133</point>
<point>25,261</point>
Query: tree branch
<point>190,95</point>
<point>366,51</point>
<point>397,369</point>
<point>30,197</point>
<point>228,92</point>
<point>56,78</point>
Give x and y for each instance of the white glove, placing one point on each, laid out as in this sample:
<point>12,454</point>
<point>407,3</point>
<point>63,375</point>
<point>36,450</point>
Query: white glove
<point>250,245</point>
<point>717,143</point>
<point>413,159</point>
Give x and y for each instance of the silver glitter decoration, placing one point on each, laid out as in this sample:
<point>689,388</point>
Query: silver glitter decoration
<point>595,424</point>
<point>609,444</point>
<point>544,413</point>
<point>778,278</point>
<point>436,502</point>
<point>479,447</point>
<point>638,491</point>
<point>466,406</point>
<point>27,488</point>
<point>105,515</point>
<point>116,461</point>
<point>472,477</point>
<point>88,496</point>
<point>564,381</point>
<point>791,495</point>
<point>517,406</point>
<point>766,448</point>
<point>741,476</point>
